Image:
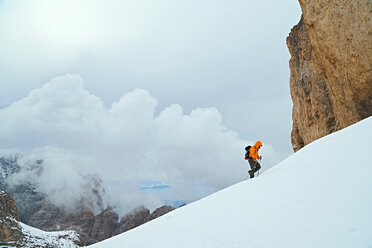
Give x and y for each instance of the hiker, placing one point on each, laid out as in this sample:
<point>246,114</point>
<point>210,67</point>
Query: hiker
<point>252,157</point>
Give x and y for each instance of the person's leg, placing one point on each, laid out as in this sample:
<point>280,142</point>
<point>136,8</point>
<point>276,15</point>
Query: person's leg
<point>251,174</point>
<point>252,165</point>
<point>257,166</point>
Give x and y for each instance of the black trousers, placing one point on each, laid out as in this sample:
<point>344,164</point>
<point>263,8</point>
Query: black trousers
<point>255,165</point>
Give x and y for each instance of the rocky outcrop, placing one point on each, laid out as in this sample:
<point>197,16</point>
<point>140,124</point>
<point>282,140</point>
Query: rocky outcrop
<point>93,228</point>
<point>160,211</point>
<point>10,230</point>
<point>331,67</point>
<point>133,219</point>
<point>51,218</point>
<point>15,234</point>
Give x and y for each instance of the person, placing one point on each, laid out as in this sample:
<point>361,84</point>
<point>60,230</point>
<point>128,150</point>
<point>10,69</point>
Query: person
<point>253,157</point>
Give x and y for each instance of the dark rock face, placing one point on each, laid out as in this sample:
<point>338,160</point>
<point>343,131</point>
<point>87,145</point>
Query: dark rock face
<point>28,199</point>
<point>8,206</point>
<point>9,227</point>
<point>160,211</point>
<point>93,228</point>
<point>133,219</point>
<point>13,235</point>
<point>104,225</point>
<point>331,69</point>
<point>90,228</point>
<point>140,216</point>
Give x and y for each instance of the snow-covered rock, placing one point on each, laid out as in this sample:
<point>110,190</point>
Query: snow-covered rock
<point>13,233</point>
<point>8,166</point>
<point>320,196</point>
<point>37,238</point>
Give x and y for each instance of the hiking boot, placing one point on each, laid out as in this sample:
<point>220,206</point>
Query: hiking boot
<point>251,174</point>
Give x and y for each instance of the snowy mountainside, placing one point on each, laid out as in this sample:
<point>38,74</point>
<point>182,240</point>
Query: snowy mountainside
<point>8,166</point>
<point>320,196</point>
<point>38,238</point>
<point>33,238</point>
<point>13,233</point>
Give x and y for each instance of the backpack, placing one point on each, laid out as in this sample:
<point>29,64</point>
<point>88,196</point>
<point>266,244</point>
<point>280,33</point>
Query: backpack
<point>247,152</point>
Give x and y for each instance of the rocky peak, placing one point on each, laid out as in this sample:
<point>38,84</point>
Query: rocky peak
<point>9,227</point>
<point>160,211</point>
<point>104,225</point>
<point>15,234</point>
<point>331,69</point>
<point>8,206</point>
<point>133,219</point>
<point>93,228</point>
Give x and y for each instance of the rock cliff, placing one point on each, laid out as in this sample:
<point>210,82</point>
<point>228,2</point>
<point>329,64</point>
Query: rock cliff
<point>15,234</point>
<point>10,230</point>
<point>93,228</point>
<point>331,67</point>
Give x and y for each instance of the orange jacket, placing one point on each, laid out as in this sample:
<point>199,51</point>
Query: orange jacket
<point>253,152</point>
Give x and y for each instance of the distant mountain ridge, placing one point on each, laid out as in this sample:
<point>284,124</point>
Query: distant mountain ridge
<point>35,210</point>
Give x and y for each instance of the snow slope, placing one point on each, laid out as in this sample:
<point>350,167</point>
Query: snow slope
<point>319,197</point>
<point>38,238</point>
<point>34,237</point>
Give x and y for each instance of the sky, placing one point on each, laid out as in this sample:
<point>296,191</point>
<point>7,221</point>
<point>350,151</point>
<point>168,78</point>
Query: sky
<point>109,80</point>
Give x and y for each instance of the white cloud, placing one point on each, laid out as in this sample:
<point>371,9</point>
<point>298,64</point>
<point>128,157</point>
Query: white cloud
<point>57,173</point>
<point>126,144</point>
<point>230,55</point>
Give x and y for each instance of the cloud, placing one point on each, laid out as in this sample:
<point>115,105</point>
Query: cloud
<point>126,144</point>
<point>58,176</point>
<point>195,53</point>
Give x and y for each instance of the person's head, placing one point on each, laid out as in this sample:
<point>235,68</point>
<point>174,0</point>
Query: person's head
<point>258,144</point>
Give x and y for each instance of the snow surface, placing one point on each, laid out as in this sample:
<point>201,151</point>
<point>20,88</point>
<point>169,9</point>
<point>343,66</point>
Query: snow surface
<point>320,196</point>
<point>39,238</point>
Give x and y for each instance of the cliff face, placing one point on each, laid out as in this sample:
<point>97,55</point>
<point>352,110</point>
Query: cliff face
<point>331,67</point>
<point>15,234</point>
<point>10,231</point>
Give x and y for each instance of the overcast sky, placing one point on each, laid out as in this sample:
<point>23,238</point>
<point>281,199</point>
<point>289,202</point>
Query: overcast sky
<point>228,58</point>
